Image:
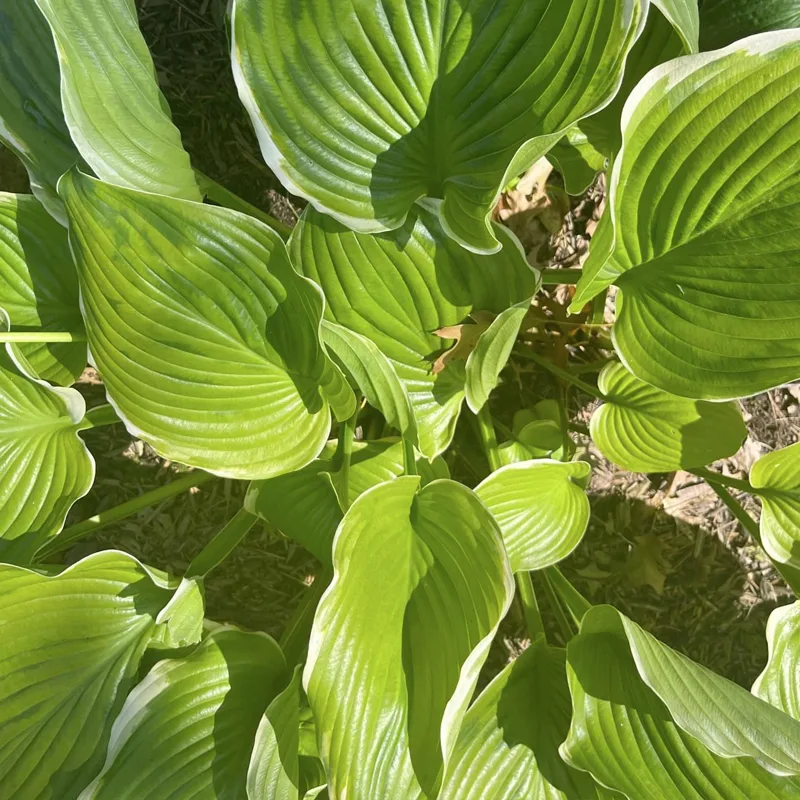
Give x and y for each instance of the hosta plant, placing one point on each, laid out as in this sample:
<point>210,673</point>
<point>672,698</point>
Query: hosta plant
<point>348,369</point>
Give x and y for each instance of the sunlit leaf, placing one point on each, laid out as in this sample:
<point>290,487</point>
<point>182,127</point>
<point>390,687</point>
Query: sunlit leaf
<point>779,683</point>
<point>778,474</point>
<point>206,339</point>
<point>397,289</point>
<point>116,114</point>
<point>71,647</point>
<point>541,508</point>
<point>406,563</point>
<point>705,223</point>
<point>364,112</point>
<point>643,429</point>
<point>39,287</point>
<point>45,465</point>
<point>650,723</point>
<point>188,728</point>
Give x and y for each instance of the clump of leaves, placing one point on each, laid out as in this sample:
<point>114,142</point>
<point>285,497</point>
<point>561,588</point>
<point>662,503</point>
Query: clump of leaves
<point>242,349</point>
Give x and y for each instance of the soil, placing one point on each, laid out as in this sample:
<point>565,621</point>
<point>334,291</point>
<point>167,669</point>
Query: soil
<point>663,549</point>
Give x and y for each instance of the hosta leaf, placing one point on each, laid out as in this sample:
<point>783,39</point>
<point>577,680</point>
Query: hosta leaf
<point>541,508</point>
<point>778,474</point>
<point>45,465</point>
<point>507,748</point>
<point>706,223</point>
<point>115,111</point>
<point>684,17</point>
<point>486,361</point>
<point>779,683</point>
<point>71,647</point>
<point>205,337</point>
<point>374,374</point>
<point>643,429</point>
<point>406,565</point>
<point>578,161</point>
<point>39,286</point>
<point>31,120</point>
<point>536,433</point>
<point>365,113</point>
<point>273,773</point>
<point>304,505</point>
<point>634,741</point>
<point>398,288</point>
<point>725,21</point>
<point>188,728</point>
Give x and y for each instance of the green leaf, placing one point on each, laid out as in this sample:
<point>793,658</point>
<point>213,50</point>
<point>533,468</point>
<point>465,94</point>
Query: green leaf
<point>206,339</point>
<point>637,742</point>
<point>406,565</point>
<point>45,465</point>
<point>779,683</point>
<point>487,360</point>
<point>39,287</point>
<point>541,508</point>
<point>365,113</point>
<point>116,114</point>
<point>536,433</point>
<point>273,773</point>
<point>578,161</point>
<point>187,729</point>
<point>304,505</point>
<point>706,223</point>
<point>725,21</point>
<point>71,647</point>
<point>684,17</point>
<point>374,375</point>
<point>778,474</point>
<point>642,429</point>
<point>397,289</point>
<point>507,747</point>
<point>31,120</point>
<point>180,622</point>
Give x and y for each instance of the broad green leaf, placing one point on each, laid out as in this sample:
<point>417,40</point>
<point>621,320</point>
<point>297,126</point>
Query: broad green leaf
<point>779,683</point>
<point>536,433</point>
<point>304,505</point>
<point>634,741</point>
<point>273,773</point>
<point>115,112</point>
<point>45,464</point>
<point>541,508</point>
<point>188,728</point>
<point>374,374</point>
<point>578,161</point>
<point>39,287</point>
<point>206,339</point>
<point>778,474</point>
<point>487,360</point>
<point>706,223</point>
<point>684,17</point>
<point>507,747</point>
<point>398,288</point>
<point>180,622</point>
<point>725,21</point>
<point>407,562</point>
<point>643,429</point>
<point>31,120</point>
<point>71,647</point>
<point>364,112</point>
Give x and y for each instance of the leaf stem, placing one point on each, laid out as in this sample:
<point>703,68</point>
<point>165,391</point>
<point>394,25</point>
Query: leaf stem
<point>99,416</point>
<point>576,604</point>
<point>222,545</point>
<point>489,437</point>
<point>344,451</point>
<point>790,574</point>
<point>105,518</point>
<point>723,480</point>
<point>530,606</point>
<point>564,374</point>
<point>559,277</point>
<point>225,197</point>
<point>567,631</point>
<point>294,640</point>
<point>48,337</point>
<point>409,457</point>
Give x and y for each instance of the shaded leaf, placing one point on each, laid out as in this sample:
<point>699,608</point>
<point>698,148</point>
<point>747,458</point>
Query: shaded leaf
<point>725,21</point>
